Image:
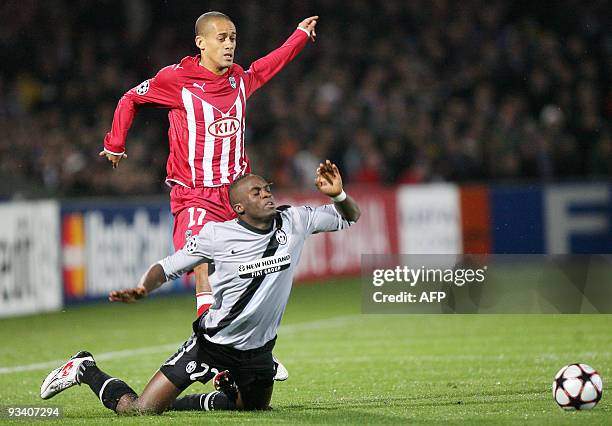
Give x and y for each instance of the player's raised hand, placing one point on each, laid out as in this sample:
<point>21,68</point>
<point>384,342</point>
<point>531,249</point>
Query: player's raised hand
<point>328,179</point>
<point>128,295</point>
<point>309,25</point>
<point>112,157</point>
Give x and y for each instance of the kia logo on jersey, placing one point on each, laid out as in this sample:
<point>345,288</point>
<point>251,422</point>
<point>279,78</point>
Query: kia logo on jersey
<point>224,127</point>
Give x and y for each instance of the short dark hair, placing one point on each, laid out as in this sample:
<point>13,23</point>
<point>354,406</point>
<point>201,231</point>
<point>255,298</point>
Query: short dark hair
<point>205,17</point>
<point>233,186</point>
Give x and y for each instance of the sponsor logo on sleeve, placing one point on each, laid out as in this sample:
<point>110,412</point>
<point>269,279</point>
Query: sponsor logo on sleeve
<point>265,266</point>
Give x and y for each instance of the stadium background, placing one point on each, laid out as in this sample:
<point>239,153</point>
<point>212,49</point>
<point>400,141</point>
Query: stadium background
<point>475,126</point>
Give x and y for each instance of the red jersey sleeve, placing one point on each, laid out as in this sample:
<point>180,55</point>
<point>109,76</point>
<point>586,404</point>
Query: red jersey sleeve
<point>265,68</point>
<point>160,91</point>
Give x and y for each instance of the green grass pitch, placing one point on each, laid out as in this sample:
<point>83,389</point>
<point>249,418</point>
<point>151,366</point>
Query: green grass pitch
<point>344,367</point>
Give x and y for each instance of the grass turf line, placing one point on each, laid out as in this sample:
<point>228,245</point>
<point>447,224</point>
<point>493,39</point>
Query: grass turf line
<point>427,369</point>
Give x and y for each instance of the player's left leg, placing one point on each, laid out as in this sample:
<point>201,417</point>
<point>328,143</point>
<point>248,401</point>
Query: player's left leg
<point>253,396</point>
<point>255,378</point>
<point>247,383</point>
<point>224,398</point>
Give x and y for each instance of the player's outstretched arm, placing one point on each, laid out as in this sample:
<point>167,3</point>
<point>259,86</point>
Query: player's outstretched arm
<point>152,279</point>
<point>197,251</point>
<point>329,182</point>
<point>160,91</point>
<point>263,69</point>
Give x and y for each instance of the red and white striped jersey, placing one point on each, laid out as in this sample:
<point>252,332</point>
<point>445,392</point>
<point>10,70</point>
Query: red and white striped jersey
<point>207,114</point>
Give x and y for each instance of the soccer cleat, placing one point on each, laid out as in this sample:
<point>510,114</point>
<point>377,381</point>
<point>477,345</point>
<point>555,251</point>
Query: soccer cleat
<point>281,372</point>
<point>224,382</point>
<point>65,376</point>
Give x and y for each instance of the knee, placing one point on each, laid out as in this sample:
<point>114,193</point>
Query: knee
<point>145,407</point>
<point>253,398</point>
<point>253,407</point>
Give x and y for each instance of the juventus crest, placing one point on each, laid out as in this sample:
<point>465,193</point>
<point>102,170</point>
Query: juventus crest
<point>281,237</point>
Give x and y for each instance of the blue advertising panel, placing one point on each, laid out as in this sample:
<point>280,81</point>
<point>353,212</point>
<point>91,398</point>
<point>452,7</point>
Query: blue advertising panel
<point>108,245</point>
<point>517,223</point>
<point>578,218</point>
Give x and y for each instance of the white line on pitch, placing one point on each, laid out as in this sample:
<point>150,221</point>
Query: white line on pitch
<point>105,356</point>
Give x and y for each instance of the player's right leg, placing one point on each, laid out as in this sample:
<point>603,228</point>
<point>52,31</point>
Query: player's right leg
<point>182,369</point>
<point>192,208</point>
<point>114,393</point>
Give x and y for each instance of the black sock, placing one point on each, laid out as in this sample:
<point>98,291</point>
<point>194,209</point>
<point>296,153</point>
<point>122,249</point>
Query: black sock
<point>108,389</point>
<point>204,401</point>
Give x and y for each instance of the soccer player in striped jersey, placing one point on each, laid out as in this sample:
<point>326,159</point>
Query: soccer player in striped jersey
<point>206,95</point>
<point>255,257</point>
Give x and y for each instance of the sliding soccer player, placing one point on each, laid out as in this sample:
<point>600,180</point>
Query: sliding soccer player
<point>255,258</point>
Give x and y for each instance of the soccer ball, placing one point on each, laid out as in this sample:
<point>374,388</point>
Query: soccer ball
<point>577,387</point>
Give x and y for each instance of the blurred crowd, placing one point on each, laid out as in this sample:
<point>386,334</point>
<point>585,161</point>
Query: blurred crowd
<point>394,91</point>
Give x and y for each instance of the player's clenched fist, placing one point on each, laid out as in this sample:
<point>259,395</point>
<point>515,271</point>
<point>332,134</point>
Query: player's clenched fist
<point>309,24</point>
<point>129,295</point>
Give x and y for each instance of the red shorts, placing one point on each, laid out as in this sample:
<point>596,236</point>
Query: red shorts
<point>194,207</point>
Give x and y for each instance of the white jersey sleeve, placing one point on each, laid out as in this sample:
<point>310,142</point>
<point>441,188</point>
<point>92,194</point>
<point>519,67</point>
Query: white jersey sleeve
<point>197,250</point>
<point>321,219</point>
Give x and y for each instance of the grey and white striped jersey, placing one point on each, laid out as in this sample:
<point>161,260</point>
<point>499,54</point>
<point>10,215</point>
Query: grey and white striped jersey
<point>252,271</point>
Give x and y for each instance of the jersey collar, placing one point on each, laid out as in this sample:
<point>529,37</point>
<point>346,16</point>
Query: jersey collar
<point>209,73</point>
<point>252,228</point>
